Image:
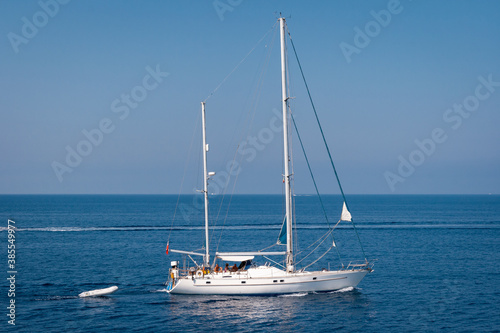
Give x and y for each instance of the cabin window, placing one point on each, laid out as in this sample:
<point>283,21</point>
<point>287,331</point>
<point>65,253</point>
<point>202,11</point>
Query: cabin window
<point>282,280</point>
<point>243,282</point>
<point>208,282</point>
<point>275,281</point>
<point>314,278</point>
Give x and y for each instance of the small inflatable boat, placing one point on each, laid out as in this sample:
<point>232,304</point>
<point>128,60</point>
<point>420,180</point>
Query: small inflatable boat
<point>99,292</point>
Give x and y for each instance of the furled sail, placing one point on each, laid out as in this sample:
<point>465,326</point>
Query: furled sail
<point>282,236</point>
<point>346,216</point>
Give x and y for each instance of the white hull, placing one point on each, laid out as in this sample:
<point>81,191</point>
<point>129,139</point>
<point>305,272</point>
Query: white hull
<point>267,281</point>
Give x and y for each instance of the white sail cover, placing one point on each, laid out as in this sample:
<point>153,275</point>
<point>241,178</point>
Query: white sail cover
<point>346,216</point>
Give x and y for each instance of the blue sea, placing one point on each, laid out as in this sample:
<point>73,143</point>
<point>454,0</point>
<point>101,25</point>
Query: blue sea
<point>437,265</point>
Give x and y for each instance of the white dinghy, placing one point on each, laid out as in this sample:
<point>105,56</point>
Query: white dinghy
<point>99,292</point>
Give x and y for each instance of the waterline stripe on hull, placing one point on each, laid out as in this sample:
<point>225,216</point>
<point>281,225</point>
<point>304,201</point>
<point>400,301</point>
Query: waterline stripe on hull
<point>263,284</point>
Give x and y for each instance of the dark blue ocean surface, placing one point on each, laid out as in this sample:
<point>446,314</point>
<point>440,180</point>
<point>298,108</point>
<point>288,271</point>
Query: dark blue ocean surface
<point>438,265</point>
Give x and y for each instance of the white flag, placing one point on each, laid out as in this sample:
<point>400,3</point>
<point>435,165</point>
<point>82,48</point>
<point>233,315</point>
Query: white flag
<point>346,216</point>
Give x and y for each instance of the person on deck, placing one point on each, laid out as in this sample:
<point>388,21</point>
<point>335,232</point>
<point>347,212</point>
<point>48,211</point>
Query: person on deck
<point>242,265</point>
<point>234,268</point>
<point>217,268</point>
<point>227,268</point>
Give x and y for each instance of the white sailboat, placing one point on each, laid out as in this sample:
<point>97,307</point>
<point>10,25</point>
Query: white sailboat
<point>265,279</point>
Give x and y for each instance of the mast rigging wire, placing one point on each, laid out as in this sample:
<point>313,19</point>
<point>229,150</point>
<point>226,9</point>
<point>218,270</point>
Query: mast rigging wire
<point>183,177</point>
<point>238,65</point>
<point>314,181</point>
<point>324,140</point>
<point>250,117</point>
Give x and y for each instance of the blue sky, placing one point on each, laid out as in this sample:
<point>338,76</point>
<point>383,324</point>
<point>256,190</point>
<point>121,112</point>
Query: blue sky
<point>409,102</point>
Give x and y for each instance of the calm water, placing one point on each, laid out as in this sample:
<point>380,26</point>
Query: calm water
<point>438,265</point>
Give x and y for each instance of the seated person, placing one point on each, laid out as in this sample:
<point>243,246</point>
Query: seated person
<point>234,268</point>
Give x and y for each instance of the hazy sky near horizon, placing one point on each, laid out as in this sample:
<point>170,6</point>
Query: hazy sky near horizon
<point>104,96</point>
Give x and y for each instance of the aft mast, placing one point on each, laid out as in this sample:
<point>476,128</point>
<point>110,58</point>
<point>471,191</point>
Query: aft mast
<point>205,184</point>
<point>287,175</point>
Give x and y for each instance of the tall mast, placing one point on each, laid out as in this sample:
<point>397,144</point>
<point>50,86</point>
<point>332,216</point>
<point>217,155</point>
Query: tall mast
<point>205,183</point>
<point>287,175</point>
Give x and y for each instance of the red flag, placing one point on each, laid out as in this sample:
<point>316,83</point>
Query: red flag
<point>166,251</point>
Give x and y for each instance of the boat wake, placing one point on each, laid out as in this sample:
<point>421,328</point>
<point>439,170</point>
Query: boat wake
<point>343,290</point>
<point>160,291</point>
<point>55,298</point>
<point>294,295</point>
<point>257,227</point>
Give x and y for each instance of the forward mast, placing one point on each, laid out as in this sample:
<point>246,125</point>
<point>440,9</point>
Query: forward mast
<point>287,175</point>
